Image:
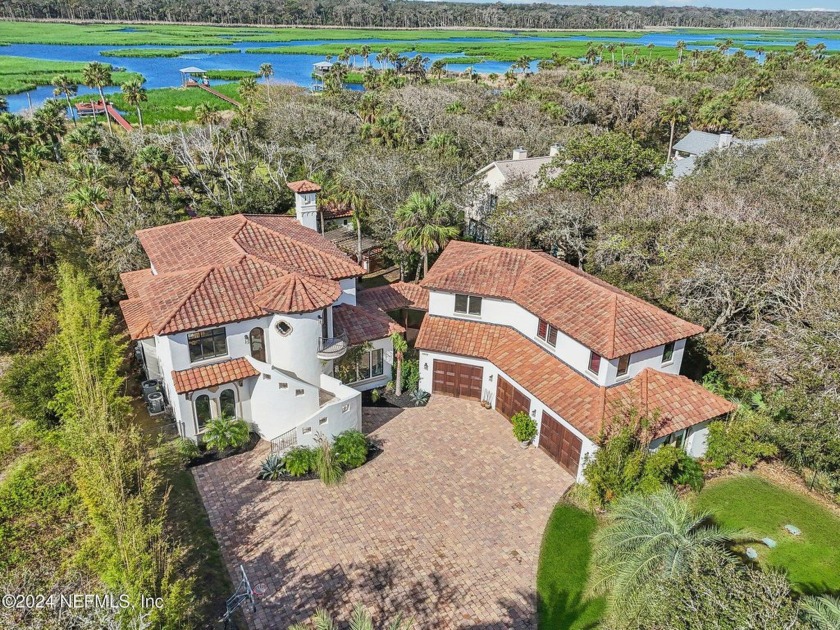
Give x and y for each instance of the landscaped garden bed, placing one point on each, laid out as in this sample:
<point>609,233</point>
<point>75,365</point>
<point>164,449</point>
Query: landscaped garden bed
<point>326,461</point>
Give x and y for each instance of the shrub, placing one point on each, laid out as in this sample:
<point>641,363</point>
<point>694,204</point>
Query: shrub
<point>29,384</point>
<point>411,374</point>
<point>740,440</point>
<point>419,397</point>
<point>670,465</point>
<point>524,427</point>
<point>271,468</point>
<point>326,463</point>
<point>375,395</point>
<point>186,449</point>
<point>226,433</point>
<point>300,461</point>
<point>351,449</point>
<point>616,468</point>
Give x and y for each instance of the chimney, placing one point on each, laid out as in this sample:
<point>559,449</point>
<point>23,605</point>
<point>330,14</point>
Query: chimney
<point>519,153</point>
<point>725,139</point>
<point>306,209</point>
<point>554,151</point>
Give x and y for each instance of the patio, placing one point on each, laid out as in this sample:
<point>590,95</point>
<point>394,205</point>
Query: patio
<point>444,526</point>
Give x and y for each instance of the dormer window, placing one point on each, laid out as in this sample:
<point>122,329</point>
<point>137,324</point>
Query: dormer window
<point>207,344</point>
<point>468,305</point>
<point>547,333</point>
<point>623,365</point>
<point>594,363</point>
<point>668,353</point>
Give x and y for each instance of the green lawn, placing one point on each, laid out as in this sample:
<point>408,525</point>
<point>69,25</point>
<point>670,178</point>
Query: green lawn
<point>20,74</point>
<point>748,502</point>
<point>172,104</point>
<point>165,52</point>
<point>563,572</point>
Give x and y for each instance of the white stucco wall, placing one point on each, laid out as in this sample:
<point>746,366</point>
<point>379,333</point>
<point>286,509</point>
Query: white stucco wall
<point>348,292</point>
<point>567,349</point>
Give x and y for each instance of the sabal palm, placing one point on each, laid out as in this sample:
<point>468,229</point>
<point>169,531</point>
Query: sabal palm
<point>247,88</point>
<point>134,93</point>
<point>4,104</point>
<point>823,612</point>
<point>66,88</point>
<point>425,225</point>
<point>361,619</point>
<point>645,539</point>
<point>266,71</point>
<point>673,112</point>
<point>50,124</point>
<point>98,75</point>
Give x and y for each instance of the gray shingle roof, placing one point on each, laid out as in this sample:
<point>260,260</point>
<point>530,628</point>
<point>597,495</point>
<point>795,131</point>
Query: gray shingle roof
<point>698,143</point>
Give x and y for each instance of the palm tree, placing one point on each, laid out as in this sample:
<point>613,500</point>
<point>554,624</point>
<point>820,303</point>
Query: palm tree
<point>359,620</point>
<point>524,63</point>
<point>400,348</point>
<point>66,88</point>
<point>823,612</point>
<point>247,88</point>
<point>438,69</point>
<point>621,47</point>
<point>646,538</point>
<point>650,48</point>
<point>425,225</point>
<point>364,52</point>
<point>611,49</point>
<point>680,48</point>
<point>266,71</point>
<point>98,75</point>
<point>673,112</point>
<point>4,105</point>
<point>134,93</point>
<point>159,164</point>
<point>15,134</point>
<point>49,123</point>
<point>206,114</point>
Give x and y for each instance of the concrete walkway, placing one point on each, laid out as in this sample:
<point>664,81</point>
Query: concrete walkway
<point>444,525</point>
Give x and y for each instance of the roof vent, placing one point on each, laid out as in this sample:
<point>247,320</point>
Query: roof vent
<point>725,139</point>
<point>554,150</point>
<point>519,153</point>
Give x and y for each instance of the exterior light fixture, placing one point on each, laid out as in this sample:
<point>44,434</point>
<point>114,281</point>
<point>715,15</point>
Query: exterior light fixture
<point>425,366</point>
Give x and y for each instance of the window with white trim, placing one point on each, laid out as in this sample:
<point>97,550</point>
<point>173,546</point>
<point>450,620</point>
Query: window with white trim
<point>668,353</point>
<point>468,304</point>
<point>207,344</point>
<point>547,333</point>
<point>623,365</point>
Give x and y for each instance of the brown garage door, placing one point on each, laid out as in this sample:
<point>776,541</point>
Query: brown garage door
<point>457,379</point>
<point>510,400</point>
<point>560,443</point>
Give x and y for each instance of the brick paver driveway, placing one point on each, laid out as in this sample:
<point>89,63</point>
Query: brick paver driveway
<point>444,525</point>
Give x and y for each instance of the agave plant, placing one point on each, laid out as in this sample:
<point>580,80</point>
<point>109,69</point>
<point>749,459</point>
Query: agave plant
<point>419,397</point>
<point>271,468</point>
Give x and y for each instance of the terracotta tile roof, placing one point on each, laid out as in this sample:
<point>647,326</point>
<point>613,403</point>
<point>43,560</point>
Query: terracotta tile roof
<point>584,404</point>
<point>215,271</point>
<point>600,316</point>
<point>392,297</point>
<point>134,313</point>
<point>363,324</point>
<point>294,293</point>
<point>304,186</point>
<point>211,375</point>
<point>335,210</point>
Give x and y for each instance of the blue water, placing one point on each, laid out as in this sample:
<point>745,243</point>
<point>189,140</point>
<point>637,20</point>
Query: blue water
<point>297,69</point>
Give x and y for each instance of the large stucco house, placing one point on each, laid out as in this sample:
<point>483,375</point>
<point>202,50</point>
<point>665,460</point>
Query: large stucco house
<point>524,331</point>
<point>251,317</point>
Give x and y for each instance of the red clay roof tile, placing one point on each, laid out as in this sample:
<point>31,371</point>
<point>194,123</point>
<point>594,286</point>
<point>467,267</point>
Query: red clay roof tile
<point>392,297</point>
<point>206,376</point>
<point>363,324</point>
<point>584,404</point>
<point>600,316</point>
<point>304,186</point>
<point>294,293</point>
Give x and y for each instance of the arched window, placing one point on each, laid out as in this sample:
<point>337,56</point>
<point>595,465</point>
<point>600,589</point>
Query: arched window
<point>227,403</point>
<point>257,337</point>
<point>202,411</point>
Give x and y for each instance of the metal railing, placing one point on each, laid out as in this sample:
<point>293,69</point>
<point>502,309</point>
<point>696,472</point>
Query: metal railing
<point>284,442</point>
<point>333,347</point>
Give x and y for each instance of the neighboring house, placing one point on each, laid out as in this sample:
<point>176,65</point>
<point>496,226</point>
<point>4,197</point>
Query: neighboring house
<point>251,316</point>
<point>501,180</point>
<point>699,143</point>
<point>527,332</point>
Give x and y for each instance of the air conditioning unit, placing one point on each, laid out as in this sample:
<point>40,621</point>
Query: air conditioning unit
<point>138,354</point>
<point>156,403</point>
<point>150,387</point>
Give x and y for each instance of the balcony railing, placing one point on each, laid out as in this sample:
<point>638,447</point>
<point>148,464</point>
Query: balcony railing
<point>332,347</point>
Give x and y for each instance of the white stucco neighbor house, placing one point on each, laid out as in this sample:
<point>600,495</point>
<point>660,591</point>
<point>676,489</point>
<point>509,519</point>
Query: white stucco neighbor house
<point>524,331</point>
<point>501,180</point>
<point>253,316</point>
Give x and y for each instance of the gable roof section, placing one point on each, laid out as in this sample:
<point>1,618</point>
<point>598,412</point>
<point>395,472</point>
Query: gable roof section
<point>698,142</point>
<point>584,404</point>
<point>363,324</point>
<point>215,271</point>
<point>600,316</point>
<point>392,297</point>
<point>211,375</point>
